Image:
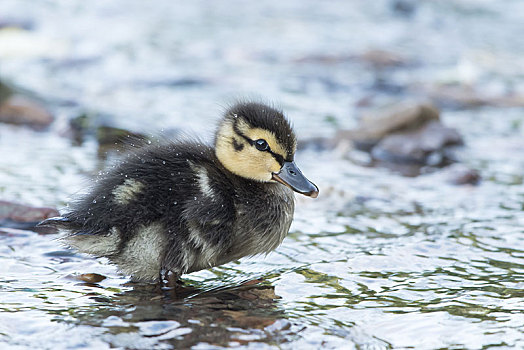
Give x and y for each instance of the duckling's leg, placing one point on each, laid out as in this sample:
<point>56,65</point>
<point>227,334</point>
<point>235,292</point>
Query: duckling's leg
<point>169,281</point>
<point>172,279</point>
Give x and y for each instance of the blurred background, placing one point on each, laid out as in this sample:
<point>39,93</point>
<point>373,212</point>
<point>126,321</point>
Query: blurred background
<point>410,120</point>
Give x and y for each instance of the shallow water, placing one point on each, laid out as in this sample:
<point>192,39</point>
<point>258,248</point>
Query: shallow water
<point>378,261</point>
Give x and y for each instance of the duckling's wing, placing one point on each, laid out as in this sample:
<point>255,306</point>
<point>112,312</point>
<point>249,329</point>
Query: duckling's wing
<point>211,219</point>
<point>206,220</point>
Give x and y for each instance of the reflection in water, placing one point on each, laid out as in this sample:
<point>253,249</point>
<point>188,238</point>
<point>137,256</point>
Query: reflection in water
<point>220,316</point>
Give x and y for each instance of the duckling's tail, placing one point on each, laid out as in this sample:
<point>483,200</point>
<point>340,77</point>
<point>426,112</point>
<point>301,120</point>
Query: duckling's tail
<point>56,222</point>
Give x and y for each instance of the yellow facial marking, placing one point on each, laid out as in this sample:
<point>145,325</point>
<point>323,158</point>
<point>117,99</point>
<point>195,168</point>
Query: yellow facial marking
<point>247,162</point>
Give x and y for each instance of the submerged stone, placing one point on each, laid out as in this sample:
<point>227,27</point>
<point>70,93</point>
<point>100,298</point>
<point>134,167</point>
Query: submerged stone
<point>21,110</point>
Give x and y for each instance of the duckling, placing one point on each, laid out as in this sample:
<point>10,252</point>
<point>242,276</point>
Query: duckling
<point>185,206</point>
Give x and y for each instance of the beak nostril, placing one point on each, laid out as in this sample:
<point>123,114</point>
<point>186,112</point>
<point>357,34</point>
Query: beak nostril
<point>291,176</point>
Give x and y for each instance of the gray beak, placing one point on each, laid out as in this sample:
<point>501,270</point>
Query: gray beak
<point>291,176</point>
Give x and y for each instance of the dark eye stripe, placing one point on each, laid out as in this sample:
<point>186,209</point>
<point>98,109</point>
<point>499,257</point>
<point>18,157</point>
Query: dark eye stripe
<point>277,156</point>
<point>251,142</point>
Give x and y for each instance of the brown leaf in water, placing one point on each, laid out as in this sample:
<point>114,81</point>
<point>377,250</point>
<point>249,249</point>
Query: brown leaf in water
<point>252,282</point>
<point>246,321</point>
<point>90,277</point>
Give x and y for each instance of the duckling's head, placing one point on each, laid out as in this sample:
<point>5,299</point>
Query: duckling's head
<point>255,141</point>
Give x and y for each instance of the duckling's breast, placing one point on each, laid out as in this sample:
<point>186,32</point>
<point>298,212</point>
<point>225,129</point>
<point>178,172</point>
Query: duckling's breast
<point>263,219</point>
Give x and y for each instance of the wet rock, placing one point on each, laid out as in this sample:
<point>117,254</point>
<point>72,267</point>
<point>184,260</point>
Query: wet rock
<point>109,136</point>
<point>463,175</point>
<point>100,127</point>
<point>23,217</point>
<point>112,139</point>
<point>374,127</point>
<point>24,213</point>
<point>426,145</point>
<point>404,139</point>
<point>78,128</point>
<point>21,110</point>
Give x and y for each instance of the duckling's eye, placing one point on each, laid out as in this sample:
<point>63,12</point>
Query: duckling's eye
<point>261,145</point>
